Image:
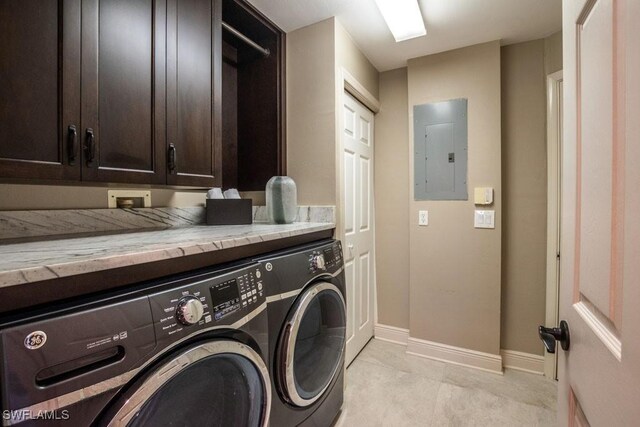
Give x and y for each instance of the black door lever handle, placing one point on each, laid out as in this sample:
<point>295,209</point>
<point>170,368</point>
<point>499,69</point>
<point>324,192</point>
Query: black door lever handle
<point>549,336</point>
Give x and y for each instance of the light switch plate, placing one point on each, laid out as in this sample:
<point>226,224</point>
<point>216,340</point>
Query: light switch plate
<point>484,219</point>
<point>423,218</point>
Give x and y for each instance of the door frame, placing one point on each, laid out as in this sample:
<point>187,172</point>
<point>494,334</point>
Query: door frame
<point>554,203</point>
<point>346,82</point>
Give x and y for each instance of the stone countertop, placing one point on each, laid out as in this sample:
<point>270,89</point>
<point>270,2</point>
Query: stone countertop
<point>30,262</point>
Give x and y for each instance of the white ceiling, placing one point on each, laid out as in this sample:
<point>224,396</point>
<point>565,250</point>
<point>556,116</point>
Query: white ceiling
<point>450,24</point>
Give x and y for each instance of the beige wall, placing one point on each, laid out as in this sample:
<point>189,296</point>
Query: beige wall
<point>524,179</point>
<point>455,269</point>
<point>471,287</point>
<point>311,112</point>
<point>392,195</point>
<point>315,56</point>
<point>522,261</point>
<point>524,151</point>
<point>22,196</point>
<point>553,53</point>
<point>350,57</point>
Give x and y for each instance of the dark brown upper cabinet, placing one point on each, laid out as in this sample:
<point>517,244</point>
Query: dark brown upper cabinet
<point>253,98</point>
<point>149,92</point>
<point>194,83</point>
<point>123,91</point>
<point>40,89</point>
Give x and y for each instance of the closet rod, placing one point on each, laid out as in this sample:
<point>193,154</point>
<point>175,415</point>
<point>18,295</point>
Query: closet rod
<point>247,40</point>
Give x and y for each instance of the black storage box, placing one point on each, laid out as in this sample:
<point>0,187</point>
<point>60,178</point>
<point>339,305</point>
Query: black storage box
<point>229,211</point>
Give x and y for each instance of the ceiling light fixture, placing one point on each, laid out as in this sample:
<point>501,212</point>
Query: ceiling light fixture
<point>403,18</point>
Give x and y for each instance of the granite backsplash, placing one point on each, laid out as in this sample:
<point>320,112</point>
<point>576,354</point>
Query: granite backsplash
<point>32,225</point>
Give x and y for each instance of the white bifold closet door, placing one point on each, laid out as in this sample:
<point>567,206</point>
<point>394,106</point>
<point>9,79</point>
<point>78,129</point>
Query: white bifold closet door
<point>357,219</point>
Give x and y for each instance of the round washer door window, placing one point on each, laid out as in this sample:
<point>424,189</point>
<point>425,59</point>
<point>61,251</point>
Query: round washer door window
<point>219,383</point>
<point>312,346</point>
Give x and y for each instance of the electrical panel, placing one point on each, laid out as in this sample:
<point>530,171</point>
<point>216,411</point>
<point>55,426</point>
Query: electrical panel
<point>440,150</point>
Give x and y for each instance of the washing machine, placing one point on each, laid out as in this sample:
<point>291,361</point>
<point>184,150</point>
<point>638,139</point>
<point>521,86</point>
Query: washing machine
<point>306,305</point>
<point>186,351</point>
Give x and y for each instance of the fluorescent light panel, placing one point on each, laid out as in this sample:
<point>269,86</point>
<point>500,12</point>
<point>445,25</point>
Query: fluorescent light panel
<point>403,18</point>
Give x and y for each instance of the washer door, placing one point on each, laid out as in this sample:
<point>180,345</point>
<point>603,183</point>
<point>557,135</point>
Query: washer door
<point>312,344</point>
<point>217,383</point>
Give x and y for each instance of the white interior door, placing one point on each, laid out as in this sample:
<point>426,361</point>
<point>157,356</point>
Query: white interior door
<point>599,377</point>
<point>357,220</point>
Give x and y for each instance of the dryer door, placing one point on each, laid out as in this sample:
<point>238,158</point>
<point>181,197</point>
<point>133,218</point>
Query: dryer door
<point>217,383</point>
<point>311,346</point>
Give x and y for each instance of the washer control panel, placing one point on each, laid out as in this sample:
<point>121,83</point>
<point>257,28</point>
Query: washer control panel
<point>180,309</point>
<point>189,310</point>
<point>207,301</point>
<point>251,288</point>
<point>225,297</point>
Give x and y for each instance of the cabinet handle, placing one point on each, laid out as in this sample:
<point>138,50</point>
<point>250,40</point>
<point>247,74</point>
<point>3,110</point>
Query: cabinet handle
<point>172,158</point>
<point>91,145</point>
<point>72,141</point>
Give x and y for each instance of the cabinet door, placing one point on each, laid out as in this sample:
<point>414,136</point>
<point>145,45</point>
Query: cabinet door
<point>194,85</point>
<point>123,91</point>
<point>39,89</point>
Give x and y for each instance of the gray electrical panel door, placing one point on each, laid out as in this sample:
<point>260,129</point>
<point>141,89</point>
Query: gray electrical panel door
<point>440,154</point>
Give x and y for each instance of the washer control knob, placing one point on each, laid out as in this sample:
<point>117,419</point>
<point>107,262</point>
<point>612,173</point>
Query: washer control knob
<point>318,263</point>
<point>189,310</point>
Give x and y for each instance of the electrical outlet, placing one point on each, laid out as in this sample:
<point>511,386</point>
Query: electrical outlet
<point>423,218</point>
<point>140,198</point>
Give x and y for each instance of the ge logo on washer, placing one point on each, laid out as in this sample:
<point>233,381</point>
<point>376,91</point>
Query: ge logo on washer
<point>268,266</point>
<point>35,340</point>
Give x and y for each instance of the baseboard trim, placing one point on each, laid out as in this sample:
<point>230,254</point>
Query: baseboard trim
<point>456,355</point>
<point>391,334</point>
<point>526,362</point>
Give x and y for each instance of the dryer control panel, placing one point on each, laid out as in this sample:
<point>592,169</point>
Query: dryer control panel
<point>325,259</point>
<point>206,302</point>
